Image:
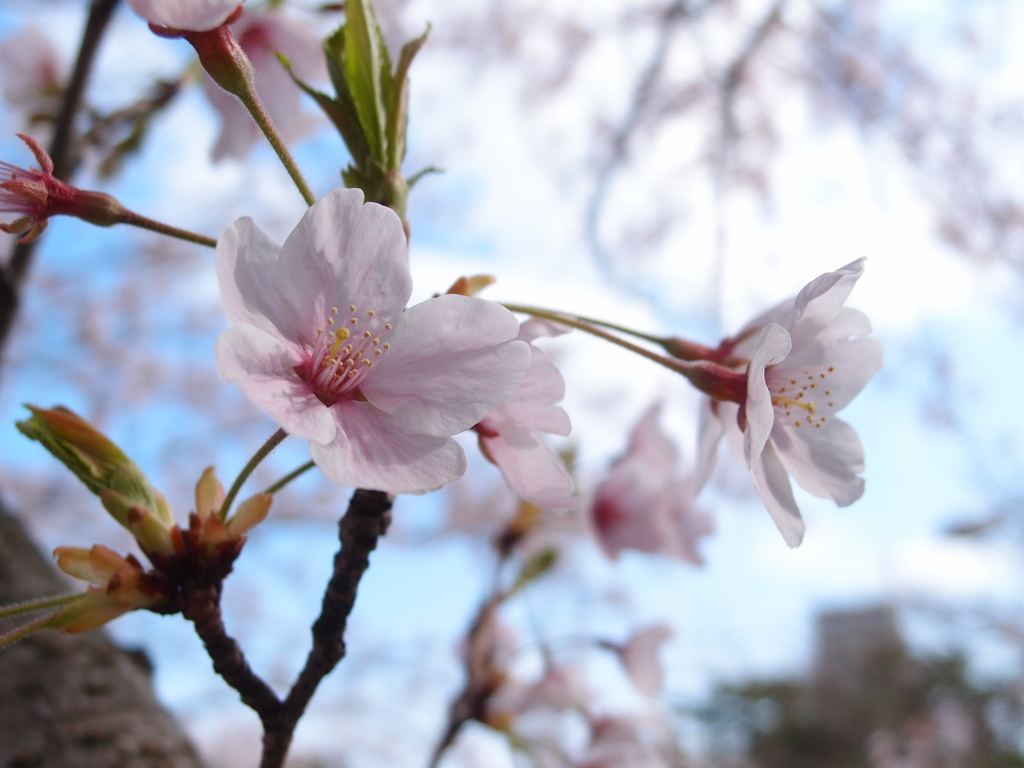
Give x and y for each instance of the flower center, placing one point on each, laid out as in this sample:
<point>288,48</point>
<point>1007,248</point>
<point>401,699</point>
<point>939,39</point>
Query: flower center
<point>801,396</point>
<point>343,353</point>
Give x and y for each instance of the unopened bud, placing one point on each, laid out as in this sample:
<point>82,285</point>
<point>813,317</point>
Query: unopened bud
<point>209,494</point>
<point>250,513</point>
<point>471,286</point>
<point>97,462</point>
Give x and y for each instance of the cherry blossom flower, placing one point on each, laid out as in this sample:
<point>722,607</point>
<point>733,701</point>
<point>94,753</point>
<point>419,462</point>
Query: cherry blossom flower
<point>321,340</point>
<point>644,504</point>
<point>33,74</point>
<point>510,434</point>
<point>36,195</point>
<point>262,34</point>
<point>186,15</point>
<point>808,357</point>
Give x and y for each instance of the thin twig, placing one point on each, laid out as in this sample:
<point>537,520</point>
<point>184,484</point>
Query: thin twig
<point>64,159</point>
<point>367,519</point>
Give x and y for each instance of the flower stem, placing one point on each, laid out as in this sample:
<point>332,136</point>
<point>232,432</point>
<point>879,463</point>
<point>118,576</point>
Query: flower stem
<point>252,102</point>
<point>30,606</point>
<point>621,329</point>
<point>275,440</point>
<point>27,629</point>
<point>708,376</point>
<point>136,220</point>
<point>586,326</point>
<point>289,477</point>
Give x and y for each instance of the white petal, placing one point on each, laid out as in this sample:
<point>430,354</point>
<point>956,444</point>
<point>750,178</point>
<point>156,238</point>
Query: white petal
<point>535,472</point>
<point>819,303</point>
<point>854,362</point>
<point>824,461</point>
<point>194,15</point>
<point>452,359</point>
<point>343,253</point>
<point>772,347</point>
<point>264,369</point>
<point>371,450</point>
<point>772,484</point>
<point>710,427</point>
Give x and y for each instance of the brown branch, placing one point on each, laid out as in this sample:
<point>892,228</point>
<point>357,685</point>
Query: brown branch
<point>201,606</point>
<point>367,519</point>
<point>61,151</point>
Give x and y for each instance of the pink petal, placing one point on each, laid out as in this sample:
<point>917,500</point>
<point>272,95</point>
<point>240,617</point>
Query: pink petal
<point>535,472</point>
<point>264,369</point>
<point>639,657</point>
<point>248,269</point>
<point>344,253</point>
<point>824,461</point>
<point>772,484</point>
<point>536,328</point>
<point>193,15</point>
<point>371,450</point>
<point>452,359</point>
<point>649,445</point>
<point>772,347</point>
<point>533,404</point>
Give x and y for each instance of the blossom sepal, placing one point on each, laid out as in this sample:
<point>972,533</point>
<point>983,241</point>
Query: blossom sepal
<point>714,380</point>
<point>38,194</point>
<point>222,58</point>
<point>208,547</point>
<point>120,584</point>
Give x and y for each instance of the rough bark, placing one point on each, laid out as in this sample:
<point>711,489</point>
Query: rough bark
<point>74,701</point>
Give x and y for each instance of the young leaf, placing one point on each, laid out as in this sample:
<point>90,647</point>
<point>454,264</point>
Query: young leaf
<point>398,115</point>
<point>364,58</point>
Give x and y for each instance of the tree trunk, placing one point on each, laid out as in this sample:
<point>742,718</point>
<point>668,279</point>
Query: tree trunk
<point>74,701</point>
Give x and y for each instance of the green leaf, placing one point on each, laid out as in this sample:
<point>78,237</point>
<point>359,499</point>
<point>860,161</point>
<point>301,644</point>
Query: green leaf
<point>398,104</point>
<point>365,57</point>
<point>420,174</point>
